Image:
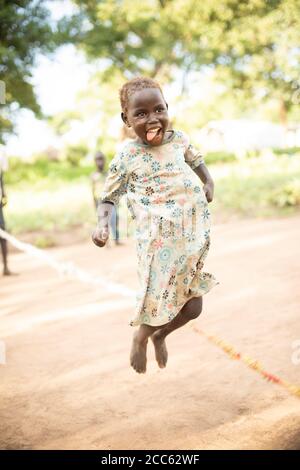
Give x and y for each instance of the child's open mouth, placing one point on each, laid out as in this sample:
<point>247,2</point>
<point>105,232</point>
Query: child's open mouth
<point>154,135</point>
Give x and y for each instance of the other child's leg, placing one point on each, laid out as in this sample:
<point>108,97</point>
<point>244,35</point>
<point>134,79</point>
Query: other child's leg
<point>3,244</point>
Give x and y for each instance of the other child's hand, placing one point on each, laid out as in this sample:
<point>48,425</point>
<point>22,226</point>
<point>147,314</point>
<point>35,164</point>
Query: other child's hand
<point>100,235</point>
<point>208,189</point>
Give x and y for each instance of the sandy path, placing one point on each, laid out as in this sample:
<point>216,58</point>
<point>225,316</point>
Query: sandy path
<point>67,382</point>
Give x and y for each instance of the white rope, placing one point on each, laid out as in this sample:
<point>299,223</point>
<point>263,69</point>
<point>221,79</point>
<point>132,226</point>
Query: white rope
<point>67,269</point>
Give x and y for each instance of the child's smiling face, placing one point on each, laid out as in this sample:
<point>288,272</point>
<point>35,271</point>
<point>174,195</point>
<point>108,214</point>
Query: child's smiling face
<point>147,113</point>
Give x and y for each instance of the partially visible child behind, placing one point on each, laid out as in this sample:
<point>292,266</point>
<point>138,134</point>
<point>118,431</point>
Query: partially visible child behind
<point>3,200</point>
<point>159,172</point>
<point>97,180</point>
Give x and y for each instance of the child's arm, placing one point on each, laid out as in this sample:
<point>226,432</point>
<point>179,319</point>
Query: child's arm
<point>195,160</point>
<point>206,179</point>
<point>101,233</point>
<point>3,200</point>
<point>94,189</point>
<point>115,186</point>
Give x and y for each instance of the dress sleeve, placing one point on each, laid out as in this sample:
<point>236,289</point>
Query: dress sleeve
<point>192,156</point>
<point>115,184</point>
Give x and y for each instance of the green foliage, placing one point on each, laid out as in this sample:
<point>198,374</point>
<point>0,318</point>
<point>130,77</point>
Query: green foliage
<point>256,187</point>
<point>25,30</point>
<point>61,122</point>
<point>286,196</point>
<point>45,173</point>
<point>287,151</point>
<point>55,196</point>
<point>50,204</point>
<point>101,101</point>
<point>75,153</point>
<point>219,157</point>
<point>59,219</point>
<point>253,45</point>
<point>44,241</point>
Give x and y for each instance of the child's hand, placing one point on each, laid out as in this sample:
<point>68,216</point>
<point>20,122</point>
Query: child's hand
<point>208,189</point>
<point>100,235</point>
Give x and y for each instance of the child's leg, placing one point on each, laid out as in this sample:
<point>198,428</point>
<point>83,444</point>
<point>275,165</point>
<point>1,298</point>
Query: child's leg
<point>138,356</point>
<point>3,244</point>
<point>189,311</point>
<point>117,241</point>
<point>113,222</point>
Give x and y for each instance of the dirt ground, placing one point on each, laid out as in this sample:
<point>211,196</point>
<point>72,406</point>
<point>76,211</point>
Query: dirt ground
<point>67,383</point>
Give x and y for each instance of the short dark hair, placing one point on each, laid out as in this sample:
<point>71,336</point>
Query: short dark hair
<point>133,85</point>
<point>99,154</point>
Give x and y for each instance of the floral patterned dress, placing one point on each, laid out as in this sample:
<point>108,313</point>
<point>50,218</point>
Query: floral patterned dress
<point>166,199</point>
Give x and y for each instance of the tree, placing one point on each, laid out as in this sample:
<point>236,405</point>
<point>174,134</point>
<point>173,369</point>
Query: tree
<point>253,45</point>
<point>95,112</point>
<point>262,56</point>
<point>26,29</point>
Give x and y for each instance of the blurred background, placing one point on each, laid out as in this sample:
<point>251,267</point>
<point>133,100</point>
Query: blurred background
<point>230,71</point>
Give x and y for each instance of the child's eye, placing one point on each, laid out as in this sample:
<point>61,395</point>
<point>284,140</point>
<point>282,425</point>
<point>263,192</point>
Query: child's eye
<point>160,110</point>
<point>141,114</point>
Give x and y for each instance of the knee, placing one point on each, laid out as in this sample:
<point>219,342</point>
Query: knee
<point>193,308</point>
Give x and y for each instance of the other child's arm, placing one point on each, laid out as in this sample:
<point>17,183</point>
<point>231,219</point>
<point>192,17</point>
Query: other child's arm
<point>93,183</point>
<point>3,200</point>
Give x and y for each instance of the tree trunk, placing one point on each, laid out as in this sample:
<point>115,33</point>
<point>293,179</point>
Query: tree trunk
<point>283,117</point>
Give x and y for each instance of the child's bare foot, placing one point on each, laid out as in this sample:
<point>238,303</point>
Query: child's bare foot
<point>138,355</point>
<point>161,352</point>
<point>7,272</point>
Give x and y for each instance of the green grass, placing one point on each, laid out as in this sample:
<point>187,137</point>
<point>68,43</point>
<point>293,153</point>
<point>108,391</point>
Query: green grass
<point>219,157</point>
<point>36,208</point>
<point>48,196</point>
<point>251,187</point>
<point>45,173</point>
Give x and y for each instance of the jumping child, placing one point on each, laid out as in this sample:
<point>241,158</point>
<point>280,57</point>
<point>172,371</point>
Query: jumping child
<point>159,171</point>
